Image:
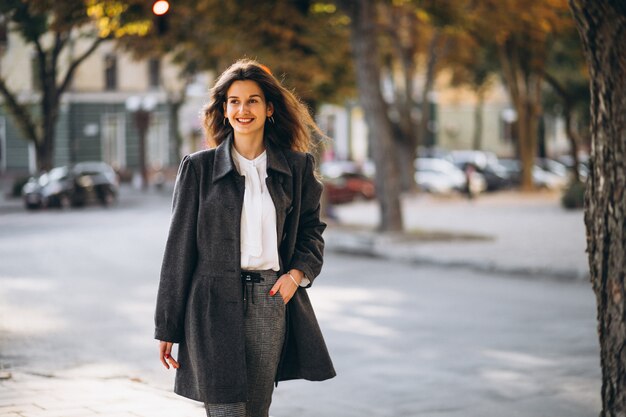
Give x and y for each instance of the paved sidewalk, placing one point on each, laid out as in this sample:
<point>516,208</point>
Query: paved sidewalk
<point>529,235</point>
<point>506,232</point>
<point>28,395</point>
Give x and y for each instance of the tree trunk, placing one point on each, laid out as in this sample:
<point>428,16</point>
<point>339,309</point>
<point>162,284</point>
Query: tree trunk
<point>365,51</point>
<point>477,141</point>
<point>43,155</point>
<point>568,116</point>
<point>434,54</point>
<point>602,26</point>
<point>50,114</point>
<point>403,23</point>
<point>573,140</point>
<point>542,147</point>
<point>525,93</point>
<point>407,151</point>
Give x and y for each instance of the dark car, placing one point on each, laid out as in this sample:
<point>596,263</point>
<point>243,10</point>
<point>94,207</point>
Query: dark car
<point>50,189</point>
<point>485,163</point>
<point>554,178</point>
<point>72,186</point>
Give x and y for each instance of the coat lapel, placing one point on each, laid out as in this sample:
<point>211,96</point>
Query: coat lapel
<point>280,186</point>
<point>223,160</point>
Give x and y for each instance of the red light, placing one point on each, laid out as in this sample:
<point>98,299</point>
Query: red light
<point>160,7</point>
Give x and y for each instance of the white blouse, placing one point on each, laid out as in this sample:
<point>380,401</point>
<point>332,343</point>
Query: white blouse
<point>259,241</point>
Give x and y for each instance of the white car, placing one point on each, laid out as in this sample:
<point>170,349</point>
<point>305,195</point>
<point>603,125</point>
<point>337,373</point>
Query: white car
<point>439,176</point>
<point>545,179</point>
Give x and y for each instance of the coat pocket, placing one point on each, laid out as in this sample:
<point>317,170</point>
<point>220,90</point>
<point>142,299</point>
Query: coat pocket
<point>224,294</point>
<point>227,289</point>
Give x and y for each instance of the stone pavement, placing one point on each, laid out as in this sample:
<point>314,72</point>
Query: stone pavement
<point>30,395</point>
<point>507,232</point>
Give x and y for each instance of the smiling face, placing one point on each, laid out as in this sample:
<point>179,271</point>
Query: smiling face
<point>246,108</point>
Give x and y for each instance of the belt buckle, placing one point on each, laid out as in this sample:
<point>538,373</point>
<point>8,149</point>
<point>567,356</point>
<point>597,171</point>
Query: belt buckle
<point>248,276</point>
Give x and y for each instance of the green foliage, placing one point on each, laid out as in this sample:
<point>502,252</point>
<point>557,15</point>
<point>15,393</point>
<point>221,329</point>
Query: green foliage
<point>472,63</point>
<point>574,196</point>
<point>304,43</point>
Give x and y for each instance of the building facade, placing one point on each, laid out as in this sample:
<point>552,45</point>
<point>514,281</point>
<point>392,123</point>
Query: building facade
<point>95,121</point>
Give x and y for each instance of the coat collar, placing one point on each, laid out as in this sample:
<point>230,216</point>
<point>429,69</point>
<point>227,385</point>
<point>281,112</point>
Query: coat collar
<point>276,160</point>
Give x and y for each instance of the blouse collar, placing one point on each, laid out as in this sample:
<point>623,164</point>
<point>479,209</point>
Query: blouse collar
<point>276,159</point>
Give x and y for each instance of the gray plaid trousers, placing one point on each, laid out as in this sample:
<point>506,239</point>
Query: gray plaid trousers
<point>265,333</point>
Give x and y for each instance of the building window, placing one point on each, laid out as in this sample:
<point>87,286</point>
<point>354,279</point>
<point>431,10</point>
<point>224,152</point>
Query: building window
<point>110,72</point>
<point>154,72</point>
<point>113,140</point>
<point>507,120</point>
<point>158,141</point>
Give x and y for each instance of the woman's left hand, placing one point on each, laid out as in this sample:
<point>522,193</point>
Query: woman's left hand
<point>286,286</point>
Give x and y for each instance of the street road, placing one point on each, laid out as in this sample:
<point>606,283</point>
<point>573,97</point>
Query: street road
<point>77,292</point>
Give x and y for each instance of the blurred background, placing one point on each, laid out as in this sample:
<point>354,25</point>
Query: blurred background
<point>455,162</point>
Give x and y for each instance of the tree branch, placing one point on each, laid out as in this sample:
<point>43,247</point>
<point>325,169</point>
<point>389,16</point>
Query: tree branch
<point>59,43</point>
<point>508,73</point>
<point>556,86</point>
<point>19,111</point>
<point>41,61</point>
<point>72,69</point>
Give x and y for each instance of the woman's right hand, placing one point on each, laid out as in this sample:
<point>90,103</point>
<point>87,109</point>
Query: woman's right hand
<point>165,352</point>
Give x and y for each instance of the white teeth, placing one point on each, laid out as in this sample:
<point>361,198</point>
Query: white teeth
<point>244,120</point>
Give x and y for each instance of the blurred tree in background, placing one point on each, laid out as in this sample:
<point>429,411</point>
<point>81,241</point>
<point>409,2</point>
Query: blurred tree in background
<point>474,65</point>
<point>367,59</point>
<point>391,51</point>
<point>415,37</point>
<point>567,75</point>
<point>522,34</point>
<point>53,29</point>
<point>602,27</point>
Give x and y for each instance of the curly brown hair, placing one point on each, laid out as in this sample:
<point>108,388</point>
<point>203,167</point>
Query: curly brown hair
<point>293,124</point>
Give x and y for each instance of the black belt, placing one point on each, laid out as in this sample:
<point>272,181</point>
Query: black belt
<point>248,279</point>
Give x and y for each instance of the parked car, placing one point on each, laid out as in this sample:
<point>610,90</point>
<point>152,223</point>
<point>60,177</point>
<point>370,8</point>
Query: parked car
<point>542,178</point>
<point>485,163</point>
<point>95,181</point>
<point>545,179</point>
<point>555,167</point>
<point>513,169</point>
<point>435,175</point>
<point>50,189</point>
<point>583,165</point>
<point>67,186</point>
<point>345,182</point>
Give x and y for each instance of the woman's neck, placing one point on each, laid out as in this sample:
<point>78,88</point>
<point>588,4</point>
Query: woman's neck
<point>249,147</point>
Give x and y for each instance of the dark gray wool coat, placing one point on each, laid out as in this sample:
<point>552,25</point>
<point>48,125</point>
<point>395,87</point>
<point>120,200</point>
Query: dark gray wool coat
<point>199,302</point>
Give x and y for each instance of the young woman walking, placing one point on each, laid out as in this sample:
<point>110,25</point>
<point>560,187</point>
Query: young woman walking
<point>245,241</point>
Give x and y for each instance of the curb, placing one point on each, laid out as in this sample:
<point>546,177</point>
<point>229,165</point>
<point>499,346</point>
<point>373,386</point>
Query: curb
<point>398,248</point>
